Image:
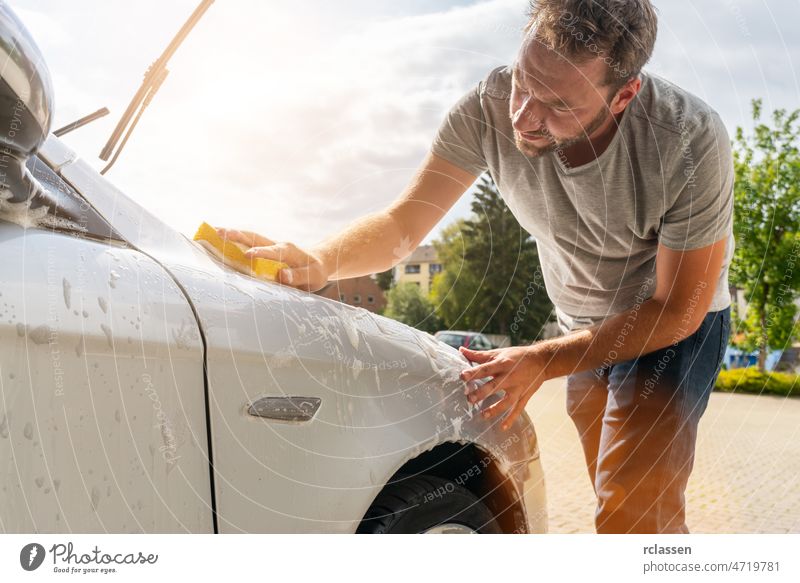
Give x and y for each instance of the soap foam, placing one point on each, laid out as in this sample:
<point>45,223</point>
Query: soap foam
<point>21,213</point>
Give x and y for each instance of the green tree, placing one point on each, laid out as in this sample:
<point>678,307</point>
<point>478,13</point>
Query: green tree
<point>766,264</point>
<point>385,279</point>
<point>407,304</point>
<point>491,278</point>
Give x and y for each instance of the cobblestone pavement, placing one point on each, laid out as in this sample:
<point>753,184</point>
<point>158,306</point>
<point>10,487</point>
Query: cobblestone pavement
<point>746,477</point>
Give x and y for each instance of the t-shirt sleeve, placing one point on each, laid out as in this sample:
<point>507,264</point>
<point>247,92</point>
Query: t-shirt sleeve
<point>458,139</point>
<point>702,213</point>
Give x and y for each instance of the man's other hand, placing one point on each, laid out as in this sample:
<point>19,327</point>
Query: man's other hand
<point>517,370</point>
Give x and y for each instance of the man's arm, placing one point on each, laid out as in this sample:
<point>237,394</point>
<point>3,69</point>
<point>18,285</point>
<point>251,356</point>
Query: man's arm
<point>685,286</point>
<point>375,242</point>
<point>379,241</point>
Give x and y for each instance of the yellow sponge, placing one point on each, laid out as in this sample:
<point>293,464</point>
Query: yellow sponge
<point>232,254</point>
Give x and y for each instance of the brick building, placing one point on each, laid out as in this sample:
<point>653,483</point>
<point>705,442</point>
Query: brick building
<point>358,291</point>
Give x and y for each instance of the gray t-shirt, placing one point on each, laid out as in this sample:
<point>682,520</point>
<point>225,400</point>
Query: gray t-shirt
<point>666,177</point>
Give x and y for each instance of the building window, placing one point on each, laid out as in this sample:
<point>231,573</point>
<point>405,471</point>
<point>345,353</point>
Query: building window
<point>357,299</point>
<point>412,268</point>
<point>370,299</point>
<point>435,268</point>
<point>342,298</point>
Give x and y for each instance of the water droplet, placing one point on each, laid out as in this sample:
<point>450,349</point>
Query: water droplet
<point>67,292</point>
<point>107,331</point>
<point>95,497</point>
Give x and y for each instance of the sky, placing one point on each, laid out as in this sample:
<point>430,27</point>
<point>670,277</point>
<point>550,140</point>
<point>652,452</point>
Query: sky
<point>293,118</point>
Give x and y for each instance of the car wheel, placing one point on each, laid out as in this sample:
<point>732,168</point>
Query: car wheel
<point>427,504</point>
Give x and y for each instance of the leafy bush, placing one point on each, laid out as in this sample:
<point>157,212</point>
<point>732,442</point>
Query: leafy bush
<point>750,380</point>
<point>407,304</point>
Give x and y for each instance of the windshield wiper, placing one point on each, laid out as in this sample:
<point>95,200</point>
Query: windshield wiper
<point>79,123</point>
<point>153,78</point>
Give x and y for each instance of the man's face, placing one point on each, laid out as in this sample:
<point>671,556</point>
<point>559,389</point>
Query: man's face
<point>555,103</point>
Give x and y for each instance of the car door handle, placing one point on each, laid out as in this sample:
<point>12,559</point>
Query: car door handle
<point>285,408</point>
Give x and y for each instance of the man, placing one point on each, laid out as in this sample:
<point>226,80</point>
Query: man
<point>626,182</point>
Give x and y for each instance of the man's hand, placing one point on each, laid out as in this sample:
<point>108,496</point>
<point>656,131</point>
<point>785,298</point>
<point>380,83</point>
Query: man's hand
<point>519,371</point>
<point>305,271</point>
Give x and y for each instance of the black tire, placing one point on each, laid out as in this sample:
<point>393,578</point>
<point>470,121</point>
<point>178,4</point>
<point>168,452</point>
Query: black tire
<point>414,504</point>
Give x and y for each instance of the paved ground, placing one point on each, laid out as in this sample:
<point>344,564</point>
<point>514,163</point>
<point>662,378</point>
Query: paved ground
<point>747,469</point>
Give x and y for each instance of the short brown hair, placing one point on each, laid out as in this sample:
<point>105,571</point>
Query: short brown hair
<point>621,32</point>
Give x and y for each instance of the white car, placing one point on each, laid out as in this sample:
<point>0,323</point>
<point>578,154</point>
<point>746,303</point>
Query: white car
<point>144,387</point>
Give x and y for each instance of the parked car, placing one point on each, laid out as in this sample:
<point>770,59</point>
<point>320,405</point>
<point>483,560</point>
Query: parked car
<point>145,387</point>
<point>458,338</point>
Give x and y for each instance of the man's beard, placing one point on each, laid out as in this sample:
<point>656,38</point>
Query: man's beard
<point>532,151</point>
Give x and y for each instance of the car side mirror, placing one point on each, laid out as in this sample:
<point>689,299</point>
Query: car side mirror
<point>26,106</point>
